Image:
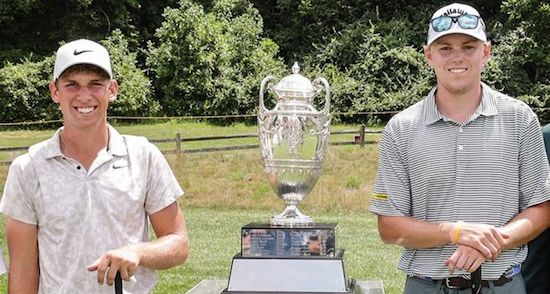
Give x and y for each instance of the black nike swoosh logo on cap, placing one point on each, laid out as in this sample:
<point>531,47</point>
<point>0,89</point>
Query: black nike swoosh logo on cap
<point>80,52</point>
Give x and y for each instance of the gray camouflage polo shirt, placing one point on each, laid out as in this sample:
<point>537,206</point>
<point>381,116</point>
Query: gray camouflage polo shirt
<point>81,214</point>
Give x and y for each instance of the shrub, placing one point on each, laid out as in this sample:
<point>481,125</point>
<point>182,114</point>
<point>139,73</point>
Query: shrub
<point>24,93</point>
<point>135,96</point>
<point>211,63</point>
<point>367,74</point>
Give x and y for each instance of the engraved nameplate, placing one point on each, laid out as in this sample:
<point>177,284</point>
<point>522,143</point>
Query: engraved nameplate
<point>263,240</point>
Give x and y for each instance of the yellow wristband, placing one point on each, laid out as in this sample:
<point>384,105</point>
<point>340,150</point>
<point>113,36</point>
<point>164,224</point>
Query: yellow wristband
<point>456,229</point>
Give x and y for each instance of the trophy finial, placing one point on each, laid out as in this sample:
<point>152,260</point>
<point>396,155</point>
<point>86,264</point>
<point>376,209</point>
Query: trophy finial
<point>295,68</point>
<point>295,86</point>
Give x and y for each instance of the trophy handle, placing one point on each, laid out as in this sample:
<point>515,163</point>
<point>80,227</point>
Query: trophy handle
<point>326,109</point>
<point>263,109</point>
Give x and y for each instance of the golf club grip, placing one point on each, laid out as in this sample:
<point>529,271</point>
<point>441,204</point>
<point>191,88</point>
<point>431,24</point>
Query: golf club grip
<point>118,283</point>
<point>476,281</point>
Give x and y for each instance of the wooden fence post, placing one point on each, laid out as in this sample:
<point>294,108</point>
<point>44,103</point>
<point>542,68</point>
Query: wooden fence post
<point>362,136</point>
<point>178,143</point>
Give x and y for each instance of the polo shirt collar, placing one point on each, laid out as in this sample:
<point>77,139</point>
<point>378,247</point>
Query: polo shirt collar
<point>487,107</point>
<point>117,146</point>
<point>53,145</point>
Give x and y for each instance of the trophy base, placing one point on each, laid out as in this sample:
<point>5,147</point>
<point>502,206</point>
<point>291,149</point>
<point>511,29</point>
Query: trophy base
<point>319,274</point>
<point>291,217</point>
<point>291,222</point>
<point>276,259</point>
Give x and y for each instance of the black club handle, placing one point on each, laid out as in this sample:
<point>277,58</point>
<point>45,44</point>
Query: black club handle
<point>118,283</point>
<point>476,281</point>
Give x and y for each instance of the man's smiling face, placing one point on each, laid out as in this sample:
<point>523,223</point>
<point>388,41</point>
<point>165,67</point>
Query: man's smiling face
<point>83,97</point>
<point>457,60</point>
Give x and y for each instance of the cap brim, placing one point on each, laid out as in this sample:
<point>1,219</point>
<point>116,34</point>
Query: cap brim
<point>478,33</point>
<point>62,70</point>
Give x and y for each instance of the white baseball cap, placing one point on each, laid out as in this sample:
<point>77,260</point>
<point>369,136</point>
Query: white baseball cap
<point>79,52</point>
<point>450,24</point>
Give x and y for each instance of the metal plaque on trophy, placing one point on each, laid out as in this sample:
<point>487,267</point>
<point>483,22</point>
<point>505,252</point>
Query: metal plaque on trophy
<point>264,240</point>
<point>291,253</point>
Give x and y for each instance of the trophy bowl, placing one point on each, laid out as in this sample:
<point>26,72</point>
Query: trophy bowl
<point>293,139</point>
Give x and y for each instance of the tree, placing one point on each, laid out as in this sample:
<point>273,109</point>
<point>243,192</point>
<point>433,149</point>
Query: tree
<point>527,27</point>
<point>521,64</point>
<point>368,72</point>
<point>36,27</point>
<point>135,97</point>
<point>297,25</point>
<point>211,63</point>
<point>24,93</point>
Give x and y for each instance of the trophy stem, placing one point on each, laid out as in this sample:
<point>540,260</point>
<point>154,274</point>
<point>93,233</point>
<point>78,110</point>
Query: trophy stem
<point>292,217</point>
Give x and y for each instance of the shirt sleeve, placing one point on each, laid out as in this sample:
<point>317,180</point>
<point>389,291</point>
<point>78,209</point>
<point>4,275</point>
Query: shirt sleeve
<point>533,165</point>
<point>162,186</point>
<point>391,193</point>
<point>17,197</point>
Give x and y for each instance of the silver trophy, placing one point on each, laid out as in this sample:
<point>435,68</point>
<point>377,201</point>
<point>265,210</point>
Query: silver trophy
<point>291,254</point>
<point>293,139</point>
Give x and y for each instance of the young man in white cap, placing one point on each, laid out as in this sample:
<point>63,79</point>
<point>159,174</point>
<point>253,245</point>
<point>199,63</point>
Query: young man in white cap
<point>78,204</point>
<point>462,179</point>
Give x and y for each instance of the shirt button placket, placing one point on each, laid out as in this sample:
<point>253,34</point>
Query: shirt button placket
<point>460,162</point>
<point>460,146</point>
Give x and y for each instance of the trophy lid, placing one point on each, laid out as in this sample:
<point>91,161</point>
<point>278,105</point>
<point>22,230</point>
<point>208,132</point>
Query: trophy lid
<point>295,85</point>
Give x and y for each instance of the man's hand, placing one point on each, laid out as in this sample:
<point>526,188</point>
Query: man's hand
<point>466,258</point>
<point>486,239</point>
<point>124,260</point>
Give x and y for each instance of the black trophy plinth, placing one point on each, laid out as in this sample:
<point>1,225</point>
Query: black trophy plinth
<point>275,259</point>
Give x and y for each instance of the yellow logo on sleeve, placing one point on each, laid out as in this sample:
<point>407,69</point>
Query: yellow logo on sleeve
<point>378,196</point>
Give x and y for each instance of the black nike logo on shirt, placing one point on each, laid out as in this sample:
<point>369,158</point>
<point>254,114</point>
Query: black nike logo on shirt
<point>80,52</point>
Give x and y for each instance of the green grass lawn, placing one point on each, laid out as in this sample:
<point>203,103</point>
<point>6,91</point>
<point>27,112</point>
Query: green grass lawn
<point>215,238</point>
<point>227,190</point>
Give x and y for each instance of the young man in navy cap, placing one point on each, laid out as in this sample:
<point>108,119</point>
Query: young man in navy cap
<point>78,204</point>
<point>462,179</point>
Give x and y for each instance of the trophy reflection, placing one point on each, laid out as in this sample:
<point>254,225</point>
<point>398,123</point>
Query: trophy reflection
<point>293,139</point>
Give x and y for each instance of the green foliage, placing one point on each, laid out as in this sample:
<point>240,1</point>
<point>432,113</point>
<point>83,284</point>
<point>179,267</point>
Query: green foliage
<point>349,94</point>
<point>298,24</point>
<point>520,65</point>
<point>134,97</point>
<point>505,68</point>
<point>208,57</point>
<point>530,21</point>
<point>367,74</point>
<point>211,63</point>
<point>400,76</point>
<point>38,26</point>
<point>24,93</point>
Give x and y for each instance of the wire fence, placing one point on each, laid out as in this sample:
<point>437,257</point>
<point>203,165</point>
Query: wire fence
<point>537,110</point>
<point>182,118</point>
<point>359,138</point>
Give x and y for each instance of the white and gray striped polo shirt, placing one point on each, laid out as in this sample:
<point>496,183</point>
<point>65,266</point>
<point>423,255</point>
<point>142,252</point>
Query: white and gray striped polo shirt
<point>485,170</point>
